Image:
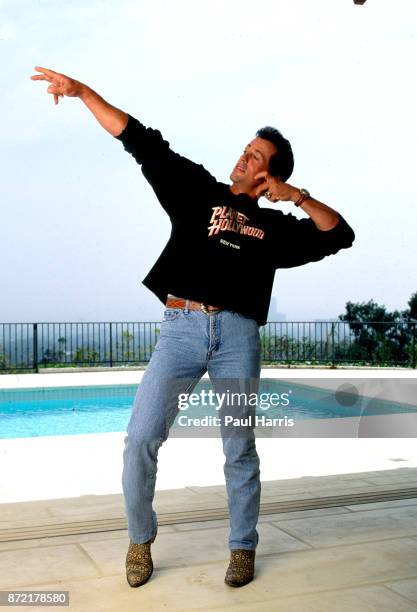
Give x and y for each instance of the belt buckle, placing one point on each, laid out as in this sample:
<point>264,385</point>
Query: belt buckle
<point>208,312</point>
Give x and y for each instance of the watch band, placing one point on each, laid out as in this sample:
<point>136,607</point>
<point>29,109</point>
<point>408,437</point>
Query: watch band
<point>304,195</point>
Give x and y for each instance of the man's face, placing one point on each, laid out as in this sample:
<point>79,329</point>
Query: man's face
<point>254,159</point>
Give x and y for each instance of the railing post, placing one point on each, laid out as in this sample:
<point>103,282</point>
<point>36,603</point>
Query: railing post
<point>35,348</point>
<point>111,345</point>
<point>333,360</point>
<point>414,346</point>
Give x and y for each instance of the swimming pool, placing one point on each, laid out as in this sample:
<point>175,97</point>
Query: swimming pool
<point>98,409</point>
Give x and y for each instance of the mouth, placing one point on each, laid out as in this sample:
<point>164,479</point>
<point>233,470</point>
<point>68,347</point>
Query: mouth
<point>240,168</point>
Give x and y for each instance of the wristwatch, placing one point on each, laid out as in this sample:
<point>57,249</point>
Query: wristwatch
<point>304,196</point>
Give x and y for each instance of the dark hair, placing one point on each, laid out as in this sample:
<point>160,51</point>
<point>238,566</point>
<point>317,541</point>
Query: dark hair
<point>282,162</point>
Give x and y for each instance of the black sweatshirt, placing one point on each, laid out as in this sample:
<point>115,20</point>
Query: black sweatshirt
<point>223,248</point>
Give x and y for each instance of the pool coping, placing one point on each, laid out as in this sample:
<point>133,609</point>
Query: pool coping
<point>133,376</point>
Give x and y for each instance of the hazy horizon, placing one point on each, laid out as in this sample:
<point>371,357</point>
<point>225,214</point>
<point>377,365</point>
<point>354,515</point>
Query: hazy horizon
<point>81,227</point>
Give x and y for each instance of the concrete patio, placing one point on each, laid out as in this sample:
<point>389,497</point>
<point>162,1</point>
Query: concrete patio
<point>342,538</point>
<point>323,547</point>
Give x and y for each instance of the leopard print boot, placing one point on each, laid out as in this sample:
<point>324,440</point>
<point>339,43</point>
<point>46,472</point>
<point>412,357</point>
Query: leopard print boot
<point>241,567</point>
<point>139,566</point>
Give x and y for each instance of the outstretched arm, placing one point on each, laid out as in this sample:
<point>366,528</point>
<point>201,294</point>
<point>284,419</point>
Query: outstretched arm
<point>166,171</point>
<point>110,118</point>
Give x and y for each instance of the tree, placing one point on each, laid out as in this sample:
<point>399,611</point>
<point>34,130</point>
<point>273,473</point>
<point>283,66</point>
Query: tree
<point>379,335</point>
<point>3,359</point>
<point>86,355</point>
<point>411,312</point>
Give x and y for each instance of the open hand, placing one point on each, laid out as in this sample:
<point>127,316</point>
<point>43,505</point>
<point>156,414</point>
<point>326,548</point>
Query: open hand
<point>273,189</point>
<point>61,85</point>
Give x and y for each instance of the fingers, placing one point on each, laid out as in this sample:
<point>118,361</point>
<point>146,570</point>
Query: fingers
<point>261,175</point>
<point>46,71</point>
<point>52,89</point>
<point>263,187</point>
<point>40,77</point>
<point>47,75</point>
<point>270,196</point>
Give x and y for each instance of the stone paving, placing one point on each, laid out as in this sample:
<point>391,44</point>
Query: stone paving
<point>359,557</point>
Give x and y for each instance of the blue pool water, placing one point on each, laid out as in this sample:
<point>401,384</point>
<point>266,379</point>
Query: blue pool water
<point>99,409</point>
<point>65,411</point>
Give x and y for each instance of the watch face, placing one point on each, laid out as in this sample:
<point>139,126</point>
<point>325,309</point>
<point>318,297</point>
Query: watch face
<point>305,192</point>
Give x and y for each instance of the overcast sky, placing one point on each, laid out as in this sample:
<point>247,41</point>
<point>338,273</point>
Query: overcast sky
<point>80,227</point>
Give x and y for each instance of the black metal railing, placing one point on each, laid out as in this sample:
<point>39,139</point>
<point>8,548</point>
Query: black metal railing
<point>31,346</point>
<point>370,343</point>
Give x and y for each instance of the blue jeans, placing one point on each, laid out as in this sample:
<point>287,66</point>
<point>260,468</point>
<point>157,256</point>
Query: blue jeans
<point>227,346</point>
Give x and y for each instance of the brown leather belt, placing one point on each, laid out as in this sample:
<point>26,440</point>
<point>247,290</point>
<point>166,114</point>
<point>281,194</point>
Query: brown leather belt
<point>174,302</point>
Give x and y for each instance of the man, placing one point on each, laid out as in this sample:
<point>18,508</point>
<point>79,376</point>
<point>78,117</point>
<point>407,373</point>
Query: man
<point>215,277</point>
